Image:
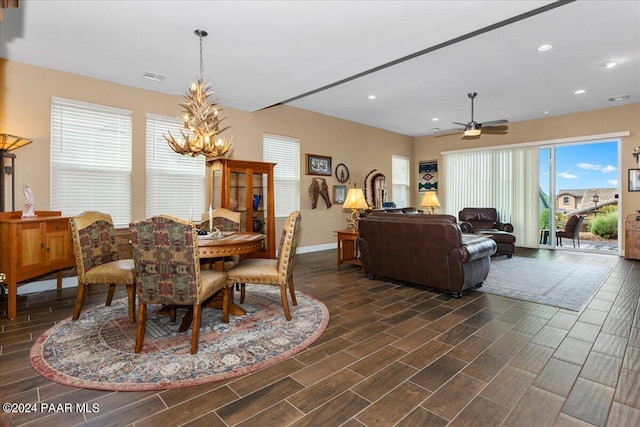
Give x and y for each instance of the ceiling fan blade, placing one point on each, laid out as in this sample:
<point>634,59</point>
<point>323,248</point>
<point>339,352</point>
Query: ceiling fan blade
<point>466,125</point>
<point>447,132</point>
<point>495,128</point>
<point>494,122</point>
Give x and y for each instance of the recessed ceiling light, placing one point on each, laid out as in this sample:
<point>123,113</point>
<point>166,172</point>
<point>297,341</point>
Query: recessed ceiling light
<point>371,97</point>
<point>579,91</point>
<point>435,119</point>
<point>435,129</point>
<point>546,113</point>
<point>156,77</point>
<point>610,64</point>
<point>545,47</point>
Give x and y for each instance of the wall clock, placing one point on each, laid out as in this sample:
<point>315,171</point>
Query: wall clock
<point>342,173</point>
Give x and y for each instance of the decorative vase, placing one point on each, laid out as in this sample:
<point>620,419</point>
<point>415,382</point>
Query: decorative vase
<point>256,201</point>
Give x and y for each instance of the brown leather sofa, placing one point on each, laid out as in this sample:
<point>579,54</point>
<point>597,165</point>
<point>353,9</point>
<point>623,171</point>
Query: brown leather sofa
<point>487,221</point>
<point>428,250</point>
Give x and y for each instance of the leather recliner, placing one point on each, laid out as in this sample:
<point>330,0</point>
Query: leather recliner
<point>487,221</point>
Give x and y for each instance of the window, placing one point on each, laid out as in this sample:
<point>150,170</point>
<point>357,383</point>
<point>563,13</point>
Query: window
<point>565,200</point>
<point>175,184</point>
<point>286,153</point>
<point>91,159</point>
<point>400,181</point>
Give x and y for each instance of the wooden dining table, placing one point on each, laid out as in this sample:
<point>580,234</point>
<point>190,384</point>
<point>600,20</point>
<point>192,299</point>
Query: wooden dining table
<point>217,248</point>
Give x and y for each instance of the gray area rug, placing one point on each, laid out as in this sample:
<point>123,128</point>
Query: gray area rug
<point>559,284</point>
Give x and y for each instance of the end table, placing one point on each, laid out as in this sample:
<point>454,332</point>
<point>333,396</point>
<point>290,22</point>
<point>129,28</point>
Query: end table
<point>348,248</point>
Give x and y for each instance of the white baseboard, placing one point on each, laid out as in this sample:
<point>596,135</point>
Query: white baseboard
<point>317,248</point>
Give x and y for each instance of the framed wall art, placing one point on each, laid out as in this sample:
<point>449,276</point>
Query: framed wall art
<point>318,165</point>
<point>342,173</point>
<point>428,176</point>
<point>339,194</point>
<point>634,179</point>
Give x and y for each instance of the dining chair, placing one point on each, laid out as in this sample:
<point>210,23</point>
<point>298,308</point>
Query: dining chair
<point>278,272</point>
<point>94,246</point>
<point>224,220</point>
<point>167,265</point>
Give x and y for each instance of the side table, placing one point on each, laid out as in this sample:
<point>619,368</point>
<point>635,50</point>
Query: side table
<point>348,248</point>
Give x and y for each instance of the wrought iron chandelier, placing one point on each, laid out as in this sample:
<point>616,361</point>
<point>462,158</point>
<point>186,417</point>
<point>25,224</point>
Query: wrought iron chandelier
<point>201,121</point>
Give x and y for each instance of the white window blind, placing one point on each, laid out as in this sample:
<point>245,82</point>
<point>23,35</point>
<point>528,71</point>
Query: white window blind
<point>400,181</point>
<point>175,184</point>
<point>286,153</point>
<point>505,179</point>
<point>90,159</point>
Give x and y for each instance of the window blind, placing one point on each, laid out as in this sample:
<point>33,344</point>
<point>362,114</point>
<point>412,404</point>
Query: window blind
<point>400,181</point>
<point>285,152</point>
<point>175,184</point>
<point>90,159</point>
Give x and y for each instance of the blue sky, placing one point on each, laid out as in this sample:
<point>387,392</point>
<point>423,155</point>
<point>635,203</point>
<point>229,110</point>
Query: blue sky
<point>584,166</point>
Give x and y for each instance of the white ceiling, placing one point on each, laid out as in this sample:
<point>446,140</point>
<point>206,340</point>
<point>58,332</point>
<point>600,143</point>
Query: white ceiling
<point>262,53</point>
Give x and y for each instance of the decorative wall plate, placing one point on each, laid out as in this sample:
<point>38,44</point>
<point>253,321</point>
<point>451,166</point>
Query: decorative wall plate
<point>342,173</point>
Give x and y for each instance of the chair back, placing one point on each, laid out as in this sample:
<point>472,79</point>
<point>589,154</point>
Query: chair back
<point>165,254</point>
<point>223,219</point>
<point>578,224</point>
<point>573,222</point>
<point>288,246</point>
<point>94,241</point>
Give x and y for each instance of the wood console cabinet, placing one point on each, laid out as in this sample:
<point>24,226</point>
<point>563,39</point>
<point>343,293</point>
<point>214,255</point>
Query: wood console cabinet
<point>33,247</point>
<point>632,238</point>
<point>235,184</point>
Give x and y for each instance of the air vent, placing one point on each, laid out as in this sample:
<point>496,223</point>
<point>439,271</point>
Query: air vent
<point>619,98</point>
<point>154,76</point>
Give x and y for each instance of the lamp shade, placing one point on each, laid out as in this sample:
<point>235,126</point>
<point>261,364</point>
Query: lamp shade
<point>11,142</point>
<point>355,200</point>
<point>430,200</point>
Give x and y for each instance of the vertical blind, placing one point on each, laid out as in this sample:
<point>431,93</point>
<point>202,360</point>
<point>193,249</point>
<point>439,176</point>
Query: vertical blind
<point>90,159</point>
<point>400,181</point>
<point>175,184</point>
<point>286,153</point>
<point>506,179</point>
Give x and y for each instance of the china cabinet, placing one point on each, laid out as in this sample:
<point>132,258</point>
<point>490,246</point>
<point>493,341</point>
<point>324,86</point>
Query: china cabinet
<point>33,247</point>
<point>246,187</point>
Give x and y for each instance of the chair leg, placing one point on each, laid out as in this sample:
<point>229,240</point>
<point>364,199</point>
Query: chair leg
<point>285,303</point>
<point>140,330</point>
<point>112,289</point>
<point>241,293</point>
<point>226,303</point>
<point>131,294</point>
<point>172,313</point>
<point>79,301</point>
<point>292,292</point>
<point>195,332</point>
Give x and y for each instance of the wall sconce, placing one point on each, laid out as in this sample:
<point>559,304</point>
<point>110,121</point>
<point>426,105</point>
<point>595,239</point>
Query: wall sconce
<point>430,200</point>
<point>9,143</point>
<point>636,154</point>
<point>354,201</point>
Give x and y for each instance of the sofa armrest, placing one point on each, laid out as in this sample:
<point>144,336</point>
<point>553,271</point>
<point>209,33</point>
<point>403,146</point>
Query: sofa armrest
<point>479,248</point>
<point>504,226</point>
<point>466,227</point>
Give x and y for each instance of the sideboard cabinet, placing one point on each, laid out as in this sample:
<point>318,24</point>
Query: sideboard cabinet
<point>246,187</point>
<point>632,237</point>
<point>33,247</point>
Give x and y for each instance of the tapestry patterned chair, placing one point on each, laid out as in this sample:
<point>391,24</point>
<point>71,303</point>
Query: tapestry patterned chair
<point>277,272</point>
<point>94,246</point>
<point>223,220</point>
<point>571,230</point>
<point>167,265</point>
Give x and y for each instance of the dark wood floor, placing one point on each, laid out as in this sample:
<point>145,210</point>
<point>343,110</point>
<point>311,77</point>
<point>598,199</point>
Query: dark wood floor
<point>392,355</point>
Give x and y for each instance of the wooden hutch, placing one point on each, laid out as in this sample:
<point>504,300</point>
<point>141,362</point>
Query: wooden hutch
<point>246,187</point>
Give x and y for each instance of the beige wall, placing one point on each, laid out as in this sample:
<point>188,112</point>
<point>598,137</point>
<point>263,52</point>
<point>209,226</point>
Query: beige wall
<point>595,122</point>
<point>25,110</point>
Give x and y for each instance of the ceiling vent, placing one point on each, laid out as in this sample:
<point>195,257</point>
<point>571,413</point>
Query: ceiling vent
<point>619,98</point>
<point>154,76</point>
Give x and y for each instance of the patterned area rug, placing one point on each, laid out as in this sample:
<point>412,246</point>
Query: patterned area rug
<point>559,284</point>
<point>96,351</point>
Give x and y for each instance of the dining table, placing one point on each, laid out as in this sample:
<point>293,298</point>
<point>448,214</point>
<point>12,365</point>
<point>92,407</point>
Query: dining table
<point>216,247</point>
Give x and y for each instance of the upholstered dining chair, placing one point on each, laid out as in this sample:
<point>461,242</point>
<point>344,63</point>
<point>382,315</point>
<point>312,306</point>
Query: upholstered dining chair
<point>278,272</point>
<point>167,265</point>
<point>94,246</point>
<point>224,220</point>
<point>571,230</point>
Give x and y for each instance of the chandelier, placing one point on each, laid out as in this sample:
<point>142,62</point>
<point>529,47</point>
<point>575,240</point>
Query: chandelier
<point>201,121</point>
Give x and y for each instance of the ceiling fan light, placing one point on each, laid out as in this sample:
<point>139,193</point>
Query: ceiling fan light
<point>472,132</point>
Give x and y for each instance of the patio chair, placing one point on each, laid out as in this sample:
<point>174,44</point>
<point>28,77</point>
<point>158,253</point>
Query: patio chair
<point>571,230</point>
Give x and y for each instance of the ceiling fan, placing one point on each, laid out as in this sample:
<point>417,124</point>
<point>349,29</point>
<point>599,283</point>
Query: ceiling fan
<point>473,128</point>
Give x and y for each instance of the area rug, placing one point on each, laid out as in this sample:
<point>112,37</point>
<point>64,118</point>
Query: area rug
<point>559,284</point>
<point>96,351</point>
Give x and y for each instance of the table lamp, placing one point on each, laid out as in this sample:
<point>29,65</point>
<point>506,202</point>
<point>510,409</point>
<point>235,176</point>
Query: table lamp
<point>354,201</point>
<point>9,143</point>
<point>430,200</point>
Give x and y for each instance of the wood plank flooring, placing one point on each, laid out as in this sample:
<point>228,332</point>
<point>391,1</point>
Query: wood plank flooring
<point>392,355</point>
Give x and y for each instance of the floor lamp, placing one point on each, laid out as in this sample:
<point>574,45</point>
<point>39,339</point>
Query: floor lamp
<point>9,143</point>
